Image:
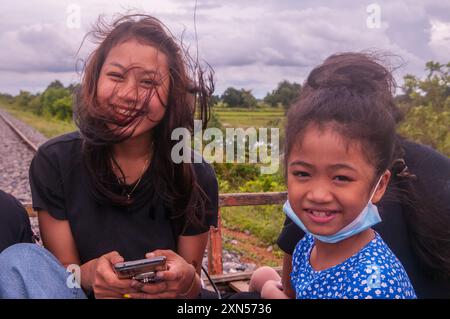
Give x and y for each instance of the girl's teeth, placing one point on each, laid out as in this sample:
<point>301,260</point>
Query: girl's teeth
<point>321,214</point>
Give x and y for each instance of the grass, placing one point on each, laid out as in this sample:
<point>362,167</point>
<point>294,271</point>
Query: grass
<point>49,127</point>
<point>245,118</point>
<point>263,222</point>
<point>243,109</point>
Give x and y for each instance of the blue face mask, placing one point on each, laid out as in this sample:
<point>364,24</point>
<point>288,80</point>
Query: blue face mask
<point>366,219</point>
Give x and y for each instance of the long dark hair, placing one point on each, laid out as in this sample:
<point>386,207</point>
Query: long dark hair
<point>189,92</point>
<point>354,93</point>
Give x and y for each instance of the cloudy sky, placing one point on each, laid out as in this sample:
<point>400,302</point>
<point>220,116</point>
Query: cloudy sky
<point>250,44</point>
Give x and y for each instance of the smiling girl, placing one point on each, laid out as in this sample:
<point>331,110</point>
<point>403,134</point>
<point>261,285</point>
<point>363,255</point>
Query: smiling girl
<point>338,152</point>
<point>111,192</point>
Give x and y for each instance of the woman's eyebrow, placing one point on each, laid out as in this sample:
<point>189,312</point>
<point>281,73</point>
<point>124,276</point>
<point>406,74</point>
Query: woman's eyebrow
<point>145,71</point>
<point>120,66</point>
<point>150,72</point>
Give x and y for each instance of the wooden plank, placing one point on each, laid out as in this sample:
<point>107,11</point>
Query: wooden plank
<point>231,199</point>
<point>241,275</point>
<point>235,199</point>
<point>251,199</point>
<point>30,211</point>
<point>215,265</point>
<point>239,286</point>
<point>237,276</point>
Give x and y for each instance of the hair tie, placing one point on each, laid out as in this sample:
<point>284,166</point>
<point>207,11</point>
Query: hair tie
<point>403,168</point>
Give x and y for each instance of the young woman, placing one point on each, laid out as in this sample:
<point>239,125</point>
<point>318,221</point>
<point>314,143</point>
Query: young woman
<point>340,147</point>
<point>111,192</point>
<point>420,178</point>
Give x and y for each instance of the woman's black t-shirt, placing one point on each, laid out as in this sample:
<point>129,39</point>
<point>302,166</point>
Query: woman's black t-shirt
<point>60,185</point>
<point>433,171</point>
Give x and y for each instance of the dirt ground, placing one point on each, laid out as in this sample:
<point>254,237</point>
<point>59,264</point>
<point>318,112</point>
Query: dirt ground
<point>250,249</point>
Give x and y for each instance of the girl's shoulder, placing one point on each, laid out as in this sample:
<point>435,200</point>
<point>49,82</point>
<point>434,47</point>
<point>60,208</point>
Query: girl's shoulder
<point>377,251</point>
<point>300,256</point>
<point>376,272</point>
<point>304,245</point>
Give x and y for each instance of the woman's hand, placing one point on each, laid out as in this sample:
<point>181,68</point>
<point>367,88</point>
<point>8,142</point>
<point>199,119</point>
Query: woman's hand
<point>180,278</point>
<point>105,283</point>
<point>273,289</point>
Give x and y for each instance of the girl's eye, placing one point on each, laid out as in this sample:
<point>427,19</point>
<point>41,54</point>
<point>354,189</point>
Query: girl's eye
<point>301,174</point>
<point>341,178</point>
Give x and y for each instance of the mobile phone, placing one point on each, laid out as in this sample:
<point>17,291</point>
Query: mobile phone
<point>143,270</point>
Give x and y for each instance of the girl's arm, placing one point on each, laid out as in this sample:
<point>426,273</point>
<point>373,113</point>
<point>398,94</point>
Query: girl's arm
<point>286,278</point>
<point>96,274</point>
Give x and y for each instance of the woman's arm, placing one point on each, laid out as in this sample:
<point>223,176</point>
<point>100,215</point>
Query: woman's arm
<point>192,248</point>
<point>57,238</point>
<point>96,274</point>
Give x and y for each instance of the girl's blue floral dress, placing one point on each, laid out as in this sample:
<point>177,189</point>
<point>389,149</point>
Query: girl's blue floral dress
<point>374,272</point>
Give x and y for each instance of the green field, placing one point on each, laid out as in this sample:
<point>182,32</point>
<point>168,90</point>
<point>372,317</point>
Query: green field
<point>235,118</point>
<point>244,118</point>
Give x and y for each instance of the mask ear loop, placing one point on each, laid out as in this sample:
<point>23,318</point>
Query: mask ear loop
<point>376,187</point>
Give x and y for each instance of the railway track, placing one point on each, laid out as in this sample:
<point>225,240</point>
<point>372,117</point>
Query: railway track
<point>22,136</point>
<point>17,151</point>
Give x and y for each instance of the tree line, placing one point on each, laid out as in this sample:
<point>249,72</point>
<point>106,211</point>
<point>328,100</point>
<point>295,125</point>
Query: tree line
<point>55,101</point>
<point>424,102</point>
<point>283,96</point>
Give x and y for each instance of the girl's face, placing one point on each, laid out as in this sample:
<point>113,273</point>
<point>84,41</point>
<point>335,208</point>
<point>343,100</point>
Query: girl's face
<point>134,76</point>
<point>329,180</point>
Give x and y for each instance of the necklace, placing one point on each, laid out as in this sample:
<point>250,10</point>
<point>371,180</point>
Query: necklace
<point>128,195</point>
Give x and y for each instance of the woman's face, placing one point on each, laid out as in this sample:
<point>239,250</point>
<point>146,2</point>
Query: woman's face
<point>329,180</point>
<point>133,78</point>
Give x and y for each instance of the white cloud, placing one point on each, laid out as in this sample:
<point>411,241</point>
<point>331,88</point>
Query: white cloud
<point>257,77</point>
<point>250,44</point>
<point>38,48</point>
<point>440,39</point>
<point>13,82</point>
